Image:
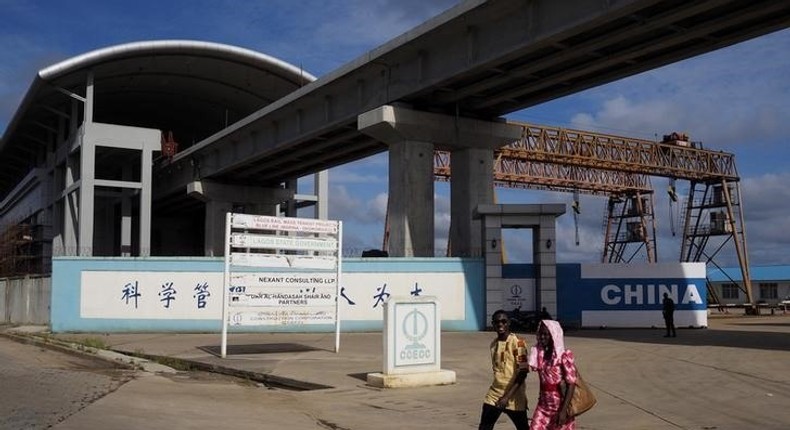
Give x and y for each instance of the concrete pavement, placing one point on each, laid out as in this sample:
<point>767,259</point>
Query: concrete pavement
<point>733,375</point>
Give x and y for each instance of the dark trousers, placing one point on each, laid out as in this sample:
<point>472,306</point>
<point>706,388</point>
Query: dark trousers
<point>669,321</point>
<point>491,413</point>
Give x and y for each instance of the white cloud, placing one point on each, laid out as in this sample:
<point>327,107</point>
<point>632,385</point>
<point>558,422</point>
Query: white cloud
<point>350,206</point>
<point>728,99</point>
<point>378,206</point>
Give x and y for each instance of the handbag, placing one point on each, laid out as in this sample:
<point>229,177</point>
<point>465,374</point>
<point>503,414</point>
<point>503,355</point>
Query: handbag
<point>583,398</point>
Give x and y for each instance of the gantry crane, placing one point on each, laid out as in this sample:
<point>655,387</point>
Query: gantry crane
<point>512,171</point>
<point>573,160</point>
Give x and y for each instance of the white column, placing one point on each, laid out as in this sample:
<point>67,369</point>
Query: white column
<point>322,195</point>
<point>71,201</point>
<point>126,214</point>
<point>146,194</point>
<point>88,117</point>
<point>87,177</point>
<point>86,197</point>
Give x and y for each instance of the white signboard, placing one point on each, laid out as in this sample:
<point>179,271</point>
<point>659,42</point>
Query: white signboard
<point>412,335</point>
<point>284,279</point>
<point>282,260</point>
<point>198,295</point>
<point>276,298</point>
<point>278,289</point>
<point>258,241</point>
<point>280,316</point>
<point>262,222</point>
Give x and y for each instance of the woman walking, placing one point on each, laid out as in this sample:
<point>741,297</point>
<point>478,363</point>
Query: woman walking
<point>554,364</point>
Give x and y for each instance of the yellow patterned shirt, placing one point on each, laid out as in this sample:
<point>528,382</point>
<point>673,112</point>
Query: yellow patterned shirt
<point>507,358</point>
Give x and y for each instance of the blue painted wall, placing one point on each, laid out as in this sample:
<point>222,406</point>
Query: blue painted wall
<point>576,294</point>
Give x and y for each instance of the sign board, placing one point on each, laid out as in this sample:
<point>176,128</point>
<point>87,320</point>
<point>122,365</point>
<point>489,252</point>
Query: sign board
<point>301,295</point>
<point>614,295</point>
<point>518,294</point>
<point>412,335</point>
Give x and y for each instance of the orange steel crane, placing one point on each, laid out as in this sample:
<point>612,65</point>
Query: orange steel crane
<point>563,159</point>
<point>621,187</point>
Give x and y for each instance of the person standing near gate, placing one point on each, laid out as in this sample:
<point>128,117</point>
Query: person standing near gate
<point>509,362</point>
<point>669,315</point>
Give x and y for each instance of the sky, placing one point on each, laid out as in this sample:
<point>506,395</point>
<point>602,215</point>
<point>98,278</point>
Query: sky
<point>736,99</point>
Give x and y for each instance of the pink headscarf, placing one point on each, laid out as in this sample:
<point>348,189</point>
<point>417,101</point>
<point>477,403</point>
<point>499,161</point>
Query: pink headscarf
<point>555,331</point>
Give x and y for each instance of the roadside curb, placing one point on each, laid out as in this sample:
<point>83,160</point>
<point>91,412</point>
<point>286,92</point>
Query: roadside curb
<point>67,348</point>
<point>116,359</point>
<point>155,363</point>
<point>269,380</point>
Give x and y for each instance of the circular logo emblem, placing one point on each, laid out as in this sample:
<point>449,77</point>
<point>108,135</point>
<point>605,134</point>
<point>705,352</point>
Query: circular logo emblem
<point>515,290</point>
<point>415,326</point>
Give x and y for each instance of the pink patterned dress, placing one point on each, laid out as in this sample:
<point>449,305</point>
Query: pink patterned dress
<point>550,396</point>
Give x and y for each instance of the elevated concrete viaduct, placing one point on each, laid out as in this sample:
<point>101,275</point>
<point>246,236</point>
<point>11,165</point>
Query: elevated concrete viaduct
<point>259,125</point>
<point>477,61</point>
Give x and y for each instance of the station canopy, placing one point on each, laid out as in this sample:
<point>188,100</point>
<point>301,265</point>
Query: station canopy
<point>190,88</point>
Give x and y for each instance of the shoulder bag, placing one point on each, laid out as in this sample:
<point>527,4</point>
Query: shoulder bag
<point>583,398</point>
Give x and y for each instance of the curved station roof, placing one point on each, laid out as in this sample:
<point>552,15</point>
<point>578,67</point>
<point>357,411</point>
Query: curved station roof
<point>191,88</point>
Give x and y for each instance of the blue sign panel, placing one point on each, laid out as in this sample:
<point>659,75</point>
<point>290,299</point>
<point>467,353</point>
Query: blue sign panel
<point>627,295</point>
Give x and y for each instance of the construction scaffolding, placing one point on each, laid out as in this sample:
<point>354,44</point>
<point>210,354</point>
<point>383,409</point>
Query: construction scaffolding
<point>629,220</point>
<point>21,250</point>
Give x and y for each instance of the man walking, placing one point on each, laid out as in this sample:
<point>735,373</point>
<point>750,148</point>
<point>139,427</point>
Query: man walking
<point>669,315</point>
<point>509,362</point>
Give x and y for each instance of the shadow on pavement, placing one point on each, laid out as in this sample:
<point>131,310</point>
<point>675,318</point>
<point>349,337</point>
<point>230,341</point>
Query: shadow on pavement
<point>258,348</point>
<point>361,376</point>
<point>776,341</point>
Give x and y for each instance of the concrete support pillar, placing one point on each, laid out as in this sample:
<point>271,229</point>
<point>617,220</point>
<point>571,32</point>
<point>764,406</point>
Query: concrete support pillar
<point>146,196</point>
<point>261,209</point>
<point>472,184</point>
<point>88,113</point>
<point>322,195</point>
<point>220,198</point>
<point>87,191</point>
<point>71,205</point>
<point>410,133</point>
<point>126,214</point>
<point>214,244</point>
<point>87,188</point>
<point>411,199</point>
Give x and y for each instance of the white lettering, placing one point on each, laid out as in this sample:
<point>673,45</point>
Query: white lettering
<point>637,294</point>
<point>692,295</point>
<point>633,294</point>
<point>606,294</point>
<point>672,291</point>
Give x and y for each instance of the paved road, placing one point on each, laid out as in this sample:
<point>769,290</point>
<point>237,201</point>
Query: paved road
<point>734,375</point>
<point>41,387</point>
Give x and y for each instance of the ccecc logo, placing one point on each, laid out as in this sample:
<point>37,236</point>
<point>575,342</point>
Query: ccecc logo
<point>515,290</point>
<point>415,328</point>
<point>236,318</point>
